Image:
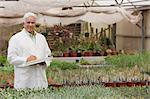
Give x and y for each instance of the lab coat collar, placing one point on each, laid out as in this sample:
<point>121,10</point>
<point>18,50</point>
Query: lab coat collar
<point>29,34</point>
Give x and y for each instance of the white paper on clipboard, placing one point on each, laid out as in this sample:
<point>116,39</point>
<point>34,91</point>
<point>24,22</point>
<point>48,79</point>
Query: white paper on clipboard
<point>37,61</point>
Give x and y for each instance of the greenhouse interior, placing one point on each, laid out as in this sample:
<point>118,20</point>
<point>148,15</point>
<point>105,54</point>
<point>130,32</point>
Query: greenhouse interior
<point>74,49</point>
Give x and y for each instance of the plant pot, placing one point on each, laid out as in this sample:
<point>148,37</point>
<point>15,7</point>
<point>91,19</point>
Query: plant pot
<point>131,84</point>
<point>11,86</point>
<point>121,84</point>
<point>66,54</point>
<point>3,86</point>
<point>109,84</point>
<point>88,53</point>
<point>73,54</point>
<point>56,85</point>
<point>142,83</point>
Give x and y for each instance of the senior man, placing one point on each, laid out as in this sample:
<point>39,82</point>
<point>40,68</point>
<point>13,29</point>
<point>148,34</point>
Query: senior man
<point>24,47</point>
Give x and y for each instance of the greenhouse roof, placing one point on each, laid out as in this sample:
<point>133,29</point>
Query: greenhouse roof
<point>68,11</point>
<point>89,3</point>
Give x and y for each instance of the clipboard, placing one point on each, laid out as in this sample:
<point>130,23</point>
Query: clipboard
<point>39,61</point>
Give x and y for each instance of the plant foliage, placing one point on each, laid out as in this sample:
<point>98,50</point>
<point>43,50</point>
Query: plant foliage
<point>64,65</point>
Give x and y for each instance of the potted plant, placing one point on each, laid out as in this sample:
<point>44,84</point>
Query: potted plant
<point>110,84</point>
<point>57,53</point>
<point>121,84</point>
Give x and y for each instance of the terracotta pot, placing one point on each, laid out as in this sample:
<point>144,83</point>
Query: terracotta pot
<point>142,83</point>
<point>66,54</point>
<point>11,86</point>
<point>3,86</point>
<point>131,84</point>
<point>121,84</point>
<point>73,54</point>
<point>88,53</point>
<point>56,85</point>
<point>110,84</point>
<point>50,80</point>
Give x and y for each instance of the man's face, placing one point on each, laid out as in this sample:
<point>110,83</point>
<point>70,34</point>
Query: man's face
<point>29,24</point>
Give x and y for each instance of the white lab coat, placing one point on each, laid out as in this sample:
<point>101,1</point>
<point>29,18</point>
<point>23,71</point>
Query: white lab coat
<point>22,46</point>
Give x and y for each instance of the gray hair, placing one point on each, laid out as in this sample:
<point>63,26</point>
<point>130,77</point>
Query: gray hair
<point>28,14</point>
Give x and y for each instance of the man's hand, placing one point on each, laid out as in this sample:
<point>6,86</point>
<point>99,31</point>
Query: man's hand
<point>31,58</point>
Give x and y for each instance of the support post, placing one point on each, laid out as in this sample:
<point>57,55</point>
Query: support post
<point>143,33</point>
